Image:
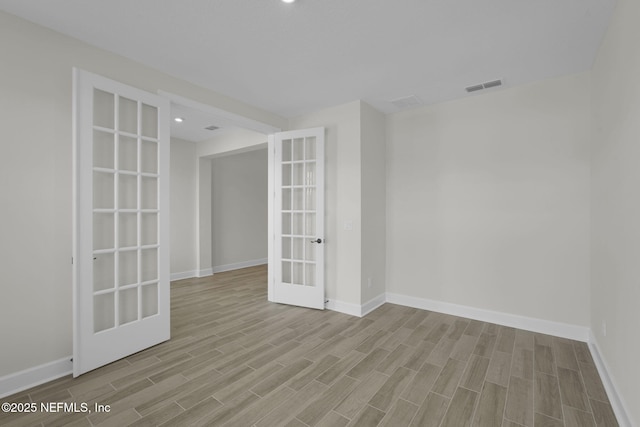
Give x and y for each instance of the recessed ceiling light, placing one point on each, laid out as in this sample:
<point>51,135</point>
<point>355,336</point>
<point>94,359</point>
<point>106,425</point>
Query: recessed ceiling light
<point>288,1</point>
<point>178,120</point>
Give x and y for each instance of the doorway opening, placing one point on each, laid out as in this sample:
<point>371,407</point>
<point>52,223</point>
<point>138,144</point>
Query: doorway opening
<point>226,188</point>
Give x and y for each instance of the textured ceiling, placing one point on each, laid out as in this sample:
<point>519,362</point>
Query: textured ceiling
<point>291,59</point>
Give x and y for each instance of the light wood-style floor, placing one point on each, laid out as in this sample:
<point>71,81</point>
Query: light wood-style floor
<point>236,359</point>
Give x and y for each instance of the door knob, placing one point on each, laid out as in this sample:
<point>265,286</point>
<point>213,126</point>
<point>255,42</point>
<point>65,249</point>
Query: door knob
<point>316,241</point>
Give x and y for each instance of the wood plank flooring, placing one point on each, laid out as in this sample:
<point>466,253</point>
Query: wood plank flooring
<point>235,359</point>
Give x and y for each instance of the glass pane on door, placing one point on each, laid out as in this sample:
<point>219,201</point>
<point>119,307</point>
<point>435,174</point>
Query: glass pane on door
<point>149,262</point>
<point>103,190</point>
<point>128,268</point>
<point>103,312</point>
<point>128,115</point>
<point>149,300</point>
<point>149,157</point>
<point>128,191</point>
<point>125,202</point>
<point>103,109</point>
<point>298,192</point>
<point>128,154</point>
<point>103,149</point>
<point>149,229</point>
<point>103,226</point>
<point>149,121</point>
<point>128,230</point>
<point>128,306</point>
<point>149,193</point>
<point>103,272</point>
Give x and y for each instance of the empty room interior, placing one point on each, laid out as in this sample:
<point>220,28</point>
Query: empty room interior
<point>320,213</point>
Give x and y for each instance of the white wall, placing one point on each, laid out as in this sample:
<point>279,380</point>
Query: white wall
<point>183,207</point>
<point>233,140</point>
<point>204,246</point>
<point>342,198</point>
<point>35,184</point>
<point>223,143</point>
<point>239,208</point>
<point>374,207</point>
<point>488,201</point>
<point>615,288</point>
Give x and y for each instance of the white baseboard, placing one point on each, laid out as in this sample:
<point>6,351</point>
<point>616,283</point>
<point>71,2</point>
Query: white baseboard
<point>184,275</point>
<point>558,329</point>
<point>355,309</point>
<point>205,272</point>
<point>217,269</point>
<point>23,380</point>
<point>617,403</point>
<point>343,307</point>
<point>372,304</point>
<point>238,265</point>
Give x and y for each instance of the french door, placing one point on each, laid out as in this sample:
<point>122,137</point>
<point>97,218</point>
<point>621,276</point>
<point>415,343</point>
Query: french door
<point>121,223</point>
<point>297,261</point>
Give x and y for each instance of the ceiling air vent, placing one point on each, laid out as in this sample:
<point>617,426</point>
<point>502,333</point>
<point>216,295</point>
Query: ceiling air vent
<point>212,127</point>
<point>485,85</point>
<point>494,83</point>
<point>406,102</point>
<point>474,88</point>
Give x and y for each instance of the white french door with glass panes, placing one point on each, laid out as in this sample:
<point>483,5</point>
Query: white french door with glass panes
<point>297,261</point>
<point>121,223</point>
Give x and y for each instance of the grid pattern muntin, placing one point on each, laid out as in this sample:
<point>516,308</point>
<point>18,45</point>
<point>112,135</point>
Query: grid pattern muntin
<point>299,211</point>
<point>125,210</point>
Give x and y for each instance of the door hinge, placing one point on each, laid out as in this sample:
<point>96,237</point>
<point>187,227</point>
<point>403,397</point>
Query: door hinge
<point>71,260</point>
